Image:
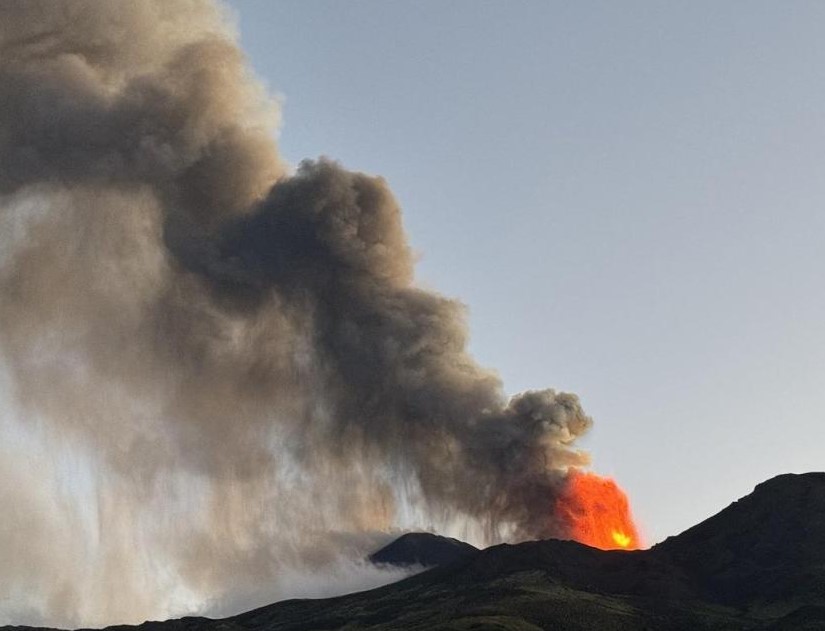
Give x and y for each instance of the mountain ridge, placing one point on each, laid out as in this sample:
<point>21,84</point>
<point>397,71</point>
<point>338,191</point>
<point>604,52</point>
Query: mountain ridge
<point>421,548</point>
<point>757,564</point>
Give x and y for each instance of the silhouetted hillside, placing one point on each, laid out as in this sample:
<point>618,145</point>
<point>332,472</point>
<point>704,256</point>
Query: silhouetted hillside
<point>422,548</point>
<point>758,564</point>
<point>767,547</point>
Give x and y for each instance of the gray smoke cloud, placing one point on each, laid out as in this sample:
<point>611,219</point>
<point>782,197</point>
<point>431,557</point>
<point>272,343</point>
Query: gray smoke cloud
<point>229,361</point>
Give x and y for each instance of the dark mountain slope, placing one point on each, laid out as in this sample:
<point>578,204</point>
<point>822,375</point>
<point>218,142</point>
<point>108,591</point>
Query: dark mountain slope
<point>422,548</point>
<point>758,564</point>
<point>769,547</point>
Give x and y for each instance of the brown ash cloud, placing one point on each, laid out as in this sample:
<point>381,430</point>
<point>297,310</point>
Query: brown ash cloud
<point>238,354</point>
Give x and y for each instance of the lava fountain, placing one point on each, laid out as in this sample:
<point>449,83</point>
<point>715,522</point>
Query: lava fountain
<point>595,511</point>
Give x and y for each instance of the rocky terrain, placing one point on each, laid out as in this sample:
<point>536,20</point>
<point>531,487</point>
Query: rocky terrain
<point>758,564</point>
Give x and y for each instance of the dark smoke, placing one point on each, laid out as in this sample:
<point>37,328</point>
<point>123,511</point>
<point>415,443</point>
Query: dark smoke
<point>235,352</point>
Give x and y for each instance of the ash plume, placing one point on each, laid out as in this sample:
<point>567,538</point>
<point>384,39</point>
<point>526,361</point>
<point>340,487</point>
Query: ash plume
<point>228,360</point>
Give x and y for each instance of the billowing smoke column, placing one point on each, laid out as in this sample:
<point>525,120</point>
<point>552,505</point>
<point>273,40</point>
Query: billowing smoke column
<point>239,351</point>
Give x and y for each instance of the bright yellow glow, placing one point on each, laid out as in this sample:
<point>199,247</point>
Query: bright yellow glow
<point>621,539</point>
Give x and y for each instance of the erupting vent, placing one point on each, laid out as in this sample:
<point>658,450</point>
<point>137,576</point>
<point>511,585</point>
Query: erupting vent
<point>596,512</point>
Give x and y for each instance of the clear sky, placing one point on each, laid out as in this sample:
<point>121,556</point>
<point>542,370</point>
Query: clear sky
<point>628,196</point>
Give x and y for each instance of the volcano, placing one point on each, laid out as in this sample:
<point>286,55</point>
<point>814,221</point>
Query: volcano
<point>422,548</point>
<point>758,564</point>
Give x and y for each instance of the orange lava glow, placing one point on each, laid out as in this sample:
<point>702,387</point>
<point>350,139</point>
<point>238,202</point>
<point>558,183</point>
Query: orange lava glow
<point>595,512</point>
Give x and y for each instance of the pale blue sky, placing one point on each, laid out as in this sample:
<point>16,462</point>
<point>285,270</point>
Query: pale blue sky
<point>627,195</point>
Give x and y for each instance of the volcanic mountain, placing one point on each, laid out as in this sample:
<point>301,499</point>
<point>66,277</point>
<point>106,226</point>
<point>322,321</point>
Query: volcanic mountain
<point>758,564</point>
<point>422,548</point>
